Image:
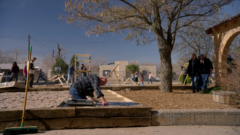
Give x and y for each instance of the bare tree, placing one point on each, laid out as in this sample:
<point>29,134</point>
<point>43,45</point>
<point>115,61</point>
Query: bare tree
<point>61,53</point>
<point>145,20</point>
<point>12,56</point>
<point>17,53</point>
<point>95,63</point>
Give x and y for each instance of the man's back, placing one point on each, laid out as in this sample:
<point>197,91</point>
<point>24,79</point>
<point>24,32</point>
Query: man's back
<point>88,84</point>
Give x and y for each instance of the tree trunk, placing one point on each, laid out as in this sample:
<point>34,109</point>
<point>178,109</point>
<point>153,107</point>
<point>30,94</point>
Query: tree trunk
<point>166,66</point>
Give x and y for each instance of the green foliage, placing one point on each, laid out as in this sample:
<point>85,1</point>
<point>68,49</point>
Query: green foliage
<point>72,62</point>
<point>60,63</point>
<point>189,80</point>
<point>132,68</point>
<point>209,90</point>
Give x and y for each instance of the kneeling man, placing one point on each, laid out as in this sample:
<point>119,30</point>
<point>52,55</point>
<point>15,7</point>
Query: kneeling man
<point>85,86</point>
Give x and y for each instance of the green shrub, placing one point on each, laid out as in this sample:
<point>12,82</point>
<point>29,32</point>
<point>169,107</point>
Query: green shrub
<point>132,68</point>
<point>60,63</point>
<point>209,90</point>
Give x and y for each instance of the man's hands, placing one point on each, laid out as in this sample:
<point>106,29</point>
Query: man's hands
<point>104,102</point>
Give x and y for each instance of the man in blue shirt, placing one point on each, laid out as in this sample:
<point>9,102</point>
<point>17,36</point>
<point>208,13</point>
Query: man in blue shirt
<point>70,74</point>
<point>41,75</point>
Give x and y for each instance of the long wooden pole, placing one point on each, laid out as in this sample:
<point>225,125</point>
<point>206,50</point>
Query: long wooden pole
<point>26,89</point>
<point>75,67</point>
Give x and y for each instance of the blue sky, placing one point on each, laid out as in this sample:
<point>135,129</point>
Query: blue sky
<point>39,18</point>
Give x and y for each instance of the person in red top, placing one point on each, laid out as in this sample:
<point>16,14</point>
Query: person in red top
<point>25,73</point>
<point>15,70</point>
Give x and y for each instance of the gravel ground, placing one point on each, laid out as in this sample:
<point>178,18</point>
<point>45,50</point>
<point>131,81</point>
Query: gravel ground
<point>41,99</point>
<point>178,99</point>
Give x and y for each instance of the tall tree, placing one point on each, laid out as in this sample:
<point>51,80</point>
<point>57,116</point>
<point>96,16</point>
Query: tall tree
<point>145,20</point>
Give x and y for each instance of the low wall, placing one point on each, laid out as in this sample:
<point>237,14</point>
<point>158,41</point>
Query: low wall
<point>79,117</point>
<point>227,117</point>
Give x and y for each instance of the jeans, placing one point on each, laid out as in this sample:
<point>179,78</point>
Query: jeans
<point>149,79</point>
<point>75,93</point>
<point>204,81</point>
<point>31,78</point>
<point>25,79</point>
<point>194,82</point>
<point>15,75</point>
<point>41,77</point>
<point>70,77</point>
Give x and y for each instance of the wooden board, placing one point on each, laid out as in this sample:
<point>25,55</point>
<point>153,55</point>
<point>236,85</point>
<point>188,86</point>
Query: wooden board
<point>11,85</point>
<point>82,55</point>
<point>81,71</point>
<point>83,60</point>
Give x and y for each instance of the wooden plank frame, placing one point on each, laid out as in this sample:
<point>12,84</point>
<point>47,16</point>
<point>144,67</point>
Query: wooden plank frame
<point>81,71</point>
<point>116,72</point>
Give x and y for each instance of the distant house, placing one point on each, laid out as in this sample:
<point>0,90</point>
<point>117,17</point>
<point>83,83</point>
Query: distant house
<point>104,70</point>
<point>6,68</point>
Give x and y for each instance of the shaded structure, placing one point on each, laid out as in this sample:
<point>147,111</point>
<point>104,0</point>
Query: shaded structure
<point>223,34</point>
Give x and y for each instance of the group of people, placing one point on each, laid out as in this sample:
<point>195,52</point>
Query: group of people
<point>135,77</point>
<point>15,71</point>
<point>71,71</point>
<point>199,69</point>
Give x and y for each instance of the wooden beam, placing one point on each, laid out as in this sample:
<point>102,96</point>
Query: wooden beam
<point>89,65</point>
<point>82,55</point>
<point>75,68</point>
<point>120,74</point>
<point>112,70</point>
<point>116,76</point>
<point>82,71</point>
<point>83,60</point>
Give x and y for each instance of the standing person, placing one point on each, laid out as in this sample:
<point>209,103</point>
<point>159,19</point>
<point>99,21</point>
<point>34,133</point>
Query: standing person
<point>25,73</point>
<point>136,77</point>
<point>40,75</point>
<point>142,78</point>
<point>206,69</point>
<point>15,70</point>
<point>85,86</point>
<point>184,71</point>
<point>31,71</point>
<point>194,71</point>
<point>150,77</point>
<point>70,74</point>
<point>83,68</point>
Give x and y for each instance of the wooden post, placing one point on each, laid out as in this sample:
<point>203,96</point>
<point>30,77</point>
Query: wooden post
<point>89,65</point>
<point>75,67</point>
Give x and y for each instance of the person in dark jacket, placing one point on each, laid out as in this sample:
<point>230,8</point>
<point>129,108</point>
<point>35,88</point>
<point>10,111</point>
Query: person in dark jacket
<point>206,68</point>
<point>85,86</point>
<point>194,71</point>
<point>15,70</point>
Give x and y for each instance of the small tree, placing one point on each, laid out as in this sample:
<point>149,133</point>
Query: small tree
<point>60,63</point>
<point>132,68</point>
<point>72,61</point>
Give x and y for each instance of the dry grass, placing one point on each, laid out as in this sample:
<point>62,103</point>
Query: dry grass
<point>178,99</point>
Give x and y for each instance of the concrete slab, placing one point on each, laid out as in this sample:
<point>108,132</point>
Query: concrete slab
<point>157,130</point>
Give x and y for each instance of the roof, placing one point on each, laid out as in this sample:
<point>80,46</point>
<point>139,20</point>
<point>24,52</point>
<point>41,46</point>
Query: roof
<point>8,66</point>
<point>210,30</point>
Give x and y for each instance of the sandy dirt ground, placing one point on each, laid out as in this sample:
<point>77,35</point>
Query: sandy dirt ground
<point>178,99</point>
<point>41,99</point>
